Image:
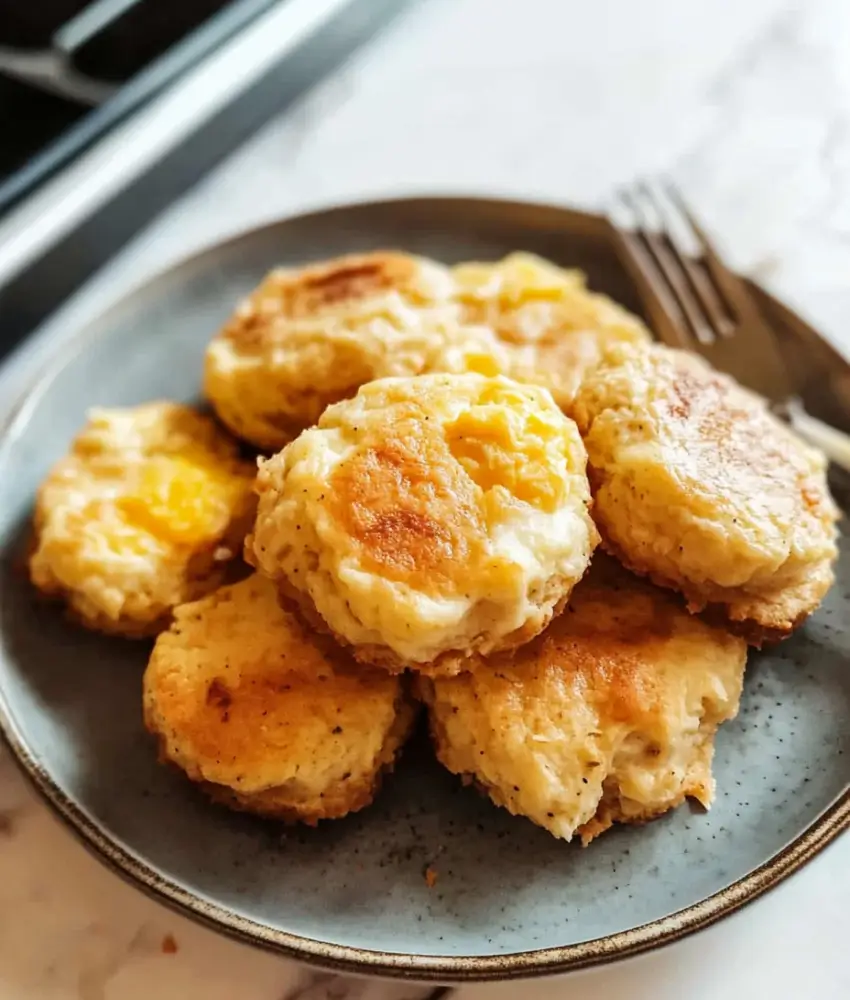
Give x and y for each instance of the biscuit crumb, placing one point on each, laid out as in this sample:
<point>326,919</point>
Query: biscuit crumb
<point>430,876</point>
<point>242,693</point>
<point>140,515</point>
<point>618,673</point>
<point>554,329</point>
<point>310,337</point>
<point>417,506</point>
<point>698,487</point>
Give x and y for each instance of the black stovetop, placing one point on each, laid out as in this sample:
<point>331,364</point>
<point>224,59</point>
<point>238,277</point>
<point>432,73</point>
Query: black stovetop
<point>108,57</point>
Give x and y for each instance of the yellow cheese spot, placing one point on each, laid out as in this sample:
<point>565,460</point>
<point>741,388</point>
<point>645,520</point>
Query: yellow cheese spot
<point>500,445</point>
<point>517,280</point>
<point>181,500</point>
<point>481,363</point>
<point>122,538</point>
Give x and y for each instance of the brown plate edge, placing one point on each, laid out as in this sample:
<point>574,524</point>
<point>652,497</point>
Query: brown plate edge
<point>433,968</point>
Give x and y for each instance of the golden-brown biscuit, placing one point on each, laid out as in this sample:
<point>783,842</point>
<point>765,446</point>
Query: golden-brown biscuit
<point>609,716</point>
<point>148,509</point>
<point>553,328</point>
<point>429,518</point>
<point>307,338</point>
<point>697,486</point>
<point>267,717</point>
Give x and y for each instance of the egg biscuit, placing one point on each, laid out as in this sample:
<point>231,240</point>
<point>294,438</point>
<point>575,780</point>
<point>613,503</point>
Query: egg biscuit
<point>608,716</point>
<point>268,717</point>
<point>309,337</point>
<point>149,509</point>
<point>553,329</point>
<point>700,488</point>
<point>429,518</point>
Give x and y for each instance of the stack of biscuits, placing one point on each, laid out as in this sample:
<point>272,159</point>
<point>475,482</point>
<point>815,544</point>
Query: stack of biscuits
<point>481,489</point>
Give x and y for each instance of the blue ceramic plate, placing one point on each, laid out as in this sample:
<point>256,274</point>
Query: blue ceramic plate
<point>510,899</point>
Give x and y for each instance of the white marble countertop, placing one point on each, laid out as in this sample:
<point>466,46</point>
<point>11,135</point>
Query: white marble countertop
<point>747,104</point>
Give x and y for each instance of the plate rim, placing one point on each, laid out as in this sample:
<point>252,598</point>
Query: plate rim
<point>831,822</point>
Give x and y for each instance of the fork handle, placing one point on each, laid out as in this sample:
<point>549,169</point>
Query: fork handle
<point>835,444</point>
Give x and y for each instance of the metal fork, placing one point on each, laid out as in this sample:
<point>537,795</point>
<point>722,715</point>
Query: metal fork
<point>696,303</point>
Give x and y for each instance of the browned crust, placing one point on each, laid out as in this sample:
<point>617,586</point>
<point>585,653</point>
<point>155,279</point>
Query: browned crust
<point>307,291</point>
<point>610,812</point>
<point>448,664</point>
<point>122,627</point>
<point>754,631</point>
<point>740,428</point>
<point>272,804</point>
<point>409,507</point>
<point>335,802</point>
<point>127,627</point>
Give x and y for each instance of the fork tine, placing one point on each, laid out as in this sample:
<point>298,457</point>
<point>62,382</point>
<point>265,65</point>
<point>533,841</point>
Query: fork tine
<point>675,196</point>
<point>667,318</point>
<point>736,298</point>
<point>652,234</point>
<point>676,224</point>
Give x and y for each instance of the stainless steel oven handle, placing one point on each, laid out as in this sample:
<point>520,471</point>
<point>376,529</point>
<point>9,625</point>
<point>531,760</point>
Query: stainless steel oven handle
<point>90,182</point>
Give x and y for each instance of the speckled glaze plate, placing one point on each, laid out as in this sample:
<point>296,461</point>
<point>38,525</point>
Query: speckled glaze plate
<point>510,900</point>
